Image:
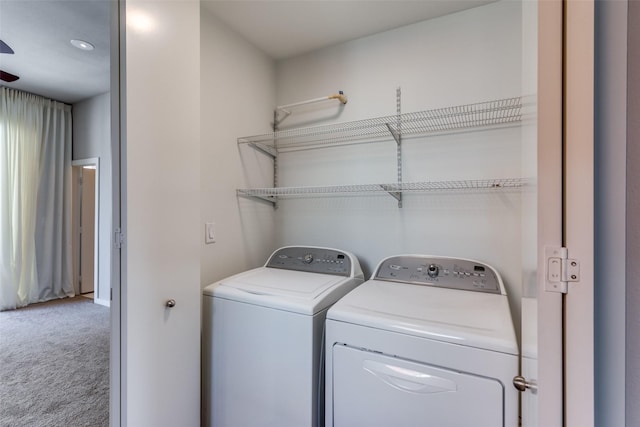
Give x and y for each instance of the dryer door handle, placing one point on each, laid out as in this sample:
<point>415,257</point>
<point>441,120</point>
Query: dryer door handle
<point>409,380</point>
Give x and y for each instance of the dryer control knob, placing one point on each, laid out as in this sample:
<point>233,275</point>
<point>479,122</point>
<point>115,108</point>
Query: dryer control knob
<point>308,258</point>
<point>432,270</point>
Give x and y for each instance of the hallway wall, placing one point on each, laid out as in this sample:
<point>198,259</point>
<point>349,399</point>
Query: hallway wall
<point>92,138</point>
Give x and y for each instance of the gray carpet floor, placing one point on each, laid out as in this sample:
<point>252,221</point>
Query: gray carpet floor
<point>54,365</point>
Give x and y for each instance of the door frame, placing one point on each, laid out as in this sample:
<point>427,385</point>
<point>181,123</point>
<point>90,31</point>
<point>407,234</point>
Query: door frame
<point>566,212</point>
<point>550,227</point>
<point>116,88</point>
<point>82,163</point>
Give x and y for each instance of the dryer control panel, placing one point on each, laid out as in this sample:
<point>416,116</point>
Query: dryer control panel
<point>453,273</point>
<point>312,260</point>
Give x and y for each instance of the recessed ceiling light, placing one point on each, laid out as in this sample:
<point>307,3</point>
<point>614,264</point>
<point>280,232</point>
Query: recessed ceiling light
<point>81,44</point>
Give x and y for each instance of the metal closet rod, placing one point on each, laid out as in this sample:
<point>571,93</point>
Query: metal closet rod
<point>284,108</point>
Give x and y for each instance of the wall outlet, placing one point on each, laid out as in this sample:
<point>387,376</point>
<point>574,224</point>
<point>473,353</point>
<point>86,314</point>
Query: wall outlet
<point>209,232</point>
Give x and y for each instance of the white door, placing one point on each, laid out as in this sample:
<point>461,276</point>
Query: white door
<point>160,255</point>
<point>557,327</point>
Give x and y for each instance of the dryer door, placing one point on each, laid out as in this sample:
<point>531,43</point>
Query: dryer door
<point>378,390</point>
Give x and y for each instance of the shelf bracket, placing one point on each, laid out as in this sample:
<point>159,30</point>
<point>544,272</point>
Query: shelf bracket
<point>393,192</point>
<point>272,200</point>
<point>265,149</point>
<point>394,133</point>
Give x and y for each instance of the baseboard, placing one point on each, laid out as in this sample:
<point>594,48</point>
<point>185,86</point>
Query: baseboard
<point>104,302</point>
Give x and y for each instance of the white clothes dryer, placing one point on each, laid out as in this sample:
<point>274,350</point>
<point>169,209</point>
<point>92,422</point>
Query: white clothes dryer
<point>428,341</point>
<point>263,338</point>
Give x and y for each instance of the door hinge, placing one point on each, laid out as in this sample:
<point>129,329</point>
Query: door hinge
<point>560,269</point>
<point>118,238</point>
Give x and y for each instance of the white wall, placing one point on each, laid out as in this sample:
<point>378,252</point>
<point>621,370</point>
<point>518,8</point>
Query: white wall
<point>610,231</point>
<point>92,138</point>
<point>237,99</point>
<point>632,223</point>
<point>467,57</point>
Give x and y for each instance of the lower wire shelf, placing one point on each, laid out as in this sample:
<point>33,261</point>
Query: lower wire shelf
<point>396,190</point>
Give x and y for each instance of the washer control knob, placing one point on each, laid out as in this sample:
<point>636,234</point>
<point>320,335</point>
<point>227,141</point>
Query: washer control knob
<point>432,270</point>
<point>308,258</point>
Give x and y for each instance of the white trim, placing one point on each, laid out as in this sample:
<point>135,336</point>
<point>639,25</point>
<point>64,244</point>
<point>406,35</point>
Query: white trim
<point>117,84</point>
<point>103,302</point>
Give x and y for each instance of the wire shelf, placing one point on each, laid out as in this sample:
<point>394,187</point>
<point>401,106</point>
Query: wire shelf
<point>462,117</point>
<point>271,194</point>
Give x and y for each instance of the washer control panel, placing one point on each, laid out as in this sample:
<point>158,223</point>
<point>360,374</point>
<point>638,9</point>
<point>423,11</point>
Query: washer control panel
<point>312,260</point>
<point>453,273</point>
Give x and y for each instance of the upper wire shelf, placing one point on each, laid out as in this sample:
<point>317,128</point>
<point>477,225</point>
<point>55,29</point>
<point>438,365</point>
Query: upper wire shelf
<point>495,113</point>
<point>272,194</point>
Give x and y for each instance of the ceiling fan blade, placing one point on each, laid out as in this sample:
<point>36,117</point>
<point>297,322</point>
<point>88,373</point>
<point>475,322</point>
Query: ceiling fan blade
<point>4,48</point>
<point>8,77</point>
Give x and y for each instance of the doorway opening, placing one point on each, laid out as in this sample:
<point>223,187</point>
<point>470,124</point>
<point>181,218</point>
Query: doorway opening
<point>84,227</point>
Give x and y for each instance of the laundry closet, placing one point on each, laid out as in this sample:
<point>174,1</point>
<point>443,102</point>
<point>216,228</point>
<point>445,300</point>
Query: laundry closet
<point>194,93</point>
<point>486,169</point>
<point>459,181</point>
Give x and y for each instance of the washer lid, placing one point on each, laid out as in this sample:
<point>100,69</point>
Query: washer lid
<point>474,319</point>
<point>297,291</point>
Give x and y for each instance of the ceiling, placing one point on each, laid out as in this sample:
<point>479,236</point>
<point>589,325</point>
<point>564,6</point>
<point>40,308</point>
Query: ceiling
<point>39,31</point>
<point>287,28</point>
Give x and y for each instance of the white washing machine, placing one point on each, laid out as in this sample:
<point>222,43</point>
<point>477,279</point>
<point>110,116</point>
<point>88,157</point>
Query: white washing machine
<point>428,341</point>
<point>263,338</point>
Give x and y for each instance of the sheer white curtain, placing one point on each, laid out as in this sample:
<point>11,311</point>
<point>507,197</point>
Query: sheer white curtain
<point>35,231</point>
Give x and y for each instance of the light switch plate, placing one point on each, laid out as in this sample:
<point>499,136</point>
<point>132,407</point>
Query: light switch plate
<point>209,232</point>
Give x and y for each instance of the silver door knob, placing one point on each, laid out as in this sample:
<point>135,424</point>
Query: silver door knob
<point>171,303</point>
<point>521,384</point>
